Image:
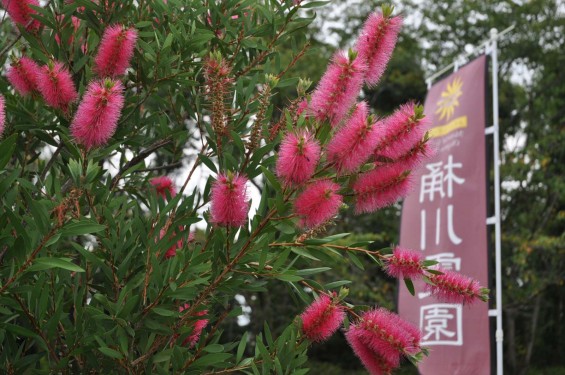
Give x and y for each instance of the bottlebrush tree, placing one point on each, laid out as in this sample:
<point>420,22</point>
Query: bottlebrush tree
<point>100,270</point>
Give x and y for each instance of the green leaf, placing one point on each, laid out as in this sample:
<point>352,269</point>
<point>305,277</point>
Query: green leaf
<point>41,264</point>
<point>271,177</point>
<point>211,359</point>
<point>143,24</point>
<point>162,356</point>
<point>321,241</point>
<point>435,272</point>
<point>429,263</point>
<point>82,227</point>
<point>287,277</point>
<point>312,271</point>
<point>314,4</point>
<point>241,347</point>
<point>209,163</point>
<point>110,352</point>
<point>168,41</point>
<point>164,312</point>
<point>337,284</point>
<point>7,147</point>
<point>409,286</point>
<point>355,260</point>
<point>214,348</point>
<point>304,253</point>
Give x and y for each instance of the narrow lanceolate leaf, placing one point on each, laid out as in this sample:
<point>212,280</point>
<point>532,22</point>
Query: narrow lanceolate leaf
<point>41,264</point>
<point>111,352</point>
<point>82,227</point>
<point>409,286</point>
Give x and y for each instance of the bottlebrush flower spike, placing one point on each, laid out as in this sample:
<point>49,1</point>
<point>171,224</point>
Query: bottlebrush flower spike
<point>453,287</point>
<point>2,114</point>
<point>318,203</point>
<point>381,187</point>
<point>97,115</point>
<point>56,85</point>
<point>338,89</point>
<point>229,203</point>
<point>353,144</point>
<point>402,131</point>
<point>197,327</point>
<point>23,74</point>
<point>372,360</point>
<point>164,184</point>
<point>410,160</point>
<point>298,156</point>
<point>321,319</point>
<point>20,12</point>
<point>115,51</point>
<point>376,43</point>
<point>404,263</point>
<point>380,338</point>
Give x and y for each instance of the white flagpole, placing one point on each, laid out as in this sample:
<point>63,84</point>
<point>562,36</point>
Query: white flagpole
<point>496,149</point>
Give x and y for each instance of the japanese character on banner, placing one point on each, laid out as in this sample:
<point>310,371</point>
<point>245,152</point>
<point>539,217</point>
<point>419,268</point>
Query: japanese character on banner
<point>441,324</point>
<point>439,183</point>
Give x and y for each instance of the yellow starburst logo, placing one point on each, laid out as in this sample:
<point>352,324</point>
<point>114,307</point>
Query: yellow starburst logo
<point>449,99</point>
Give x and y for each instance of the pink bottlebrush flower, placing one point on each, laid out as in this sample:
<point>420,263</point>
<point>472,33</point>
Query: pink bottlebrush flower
<point>97,115</point>
<point>20,12</point>
<point>404,263</point>
<point>23,74</point>
<point>164,184</point>
<point>197,327</point>
<point>376,43</point>
<point>453,287</point>
<point>322,319</point>
<point>381,187</point>
<point>410,160</point>
<point>298,156</point>
<point>386,335</point>
<point>402,131</point>
<point>229,202</point>
<point>353,144</point>
<point>115,51</point>
<point>2,114</point>
<point>338,89</point>
<point>372,360</point>
<point>56,85</point>
<point>318,203</point>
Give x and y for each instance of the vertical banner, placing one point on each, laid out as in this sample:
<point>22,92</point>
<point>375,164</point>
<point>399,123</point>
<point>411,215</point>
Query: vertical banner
<point>445,218</point>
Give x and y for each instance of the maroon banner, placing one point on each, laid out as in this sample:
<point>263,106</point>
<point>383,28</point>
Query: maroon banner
<point>445,218</point>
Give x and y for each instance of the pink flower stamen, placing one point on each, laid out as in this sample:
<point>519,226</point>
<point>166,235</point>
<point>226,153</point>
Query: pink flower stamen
<point>298,156</point>
<point>338,89</point>
<point>354,143</point>
<point>322,319</point>
<point>376,43</point>
<point>318,203</point>
<point>229,202</point>
<point>404,263</point>
<point>98,113</point>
